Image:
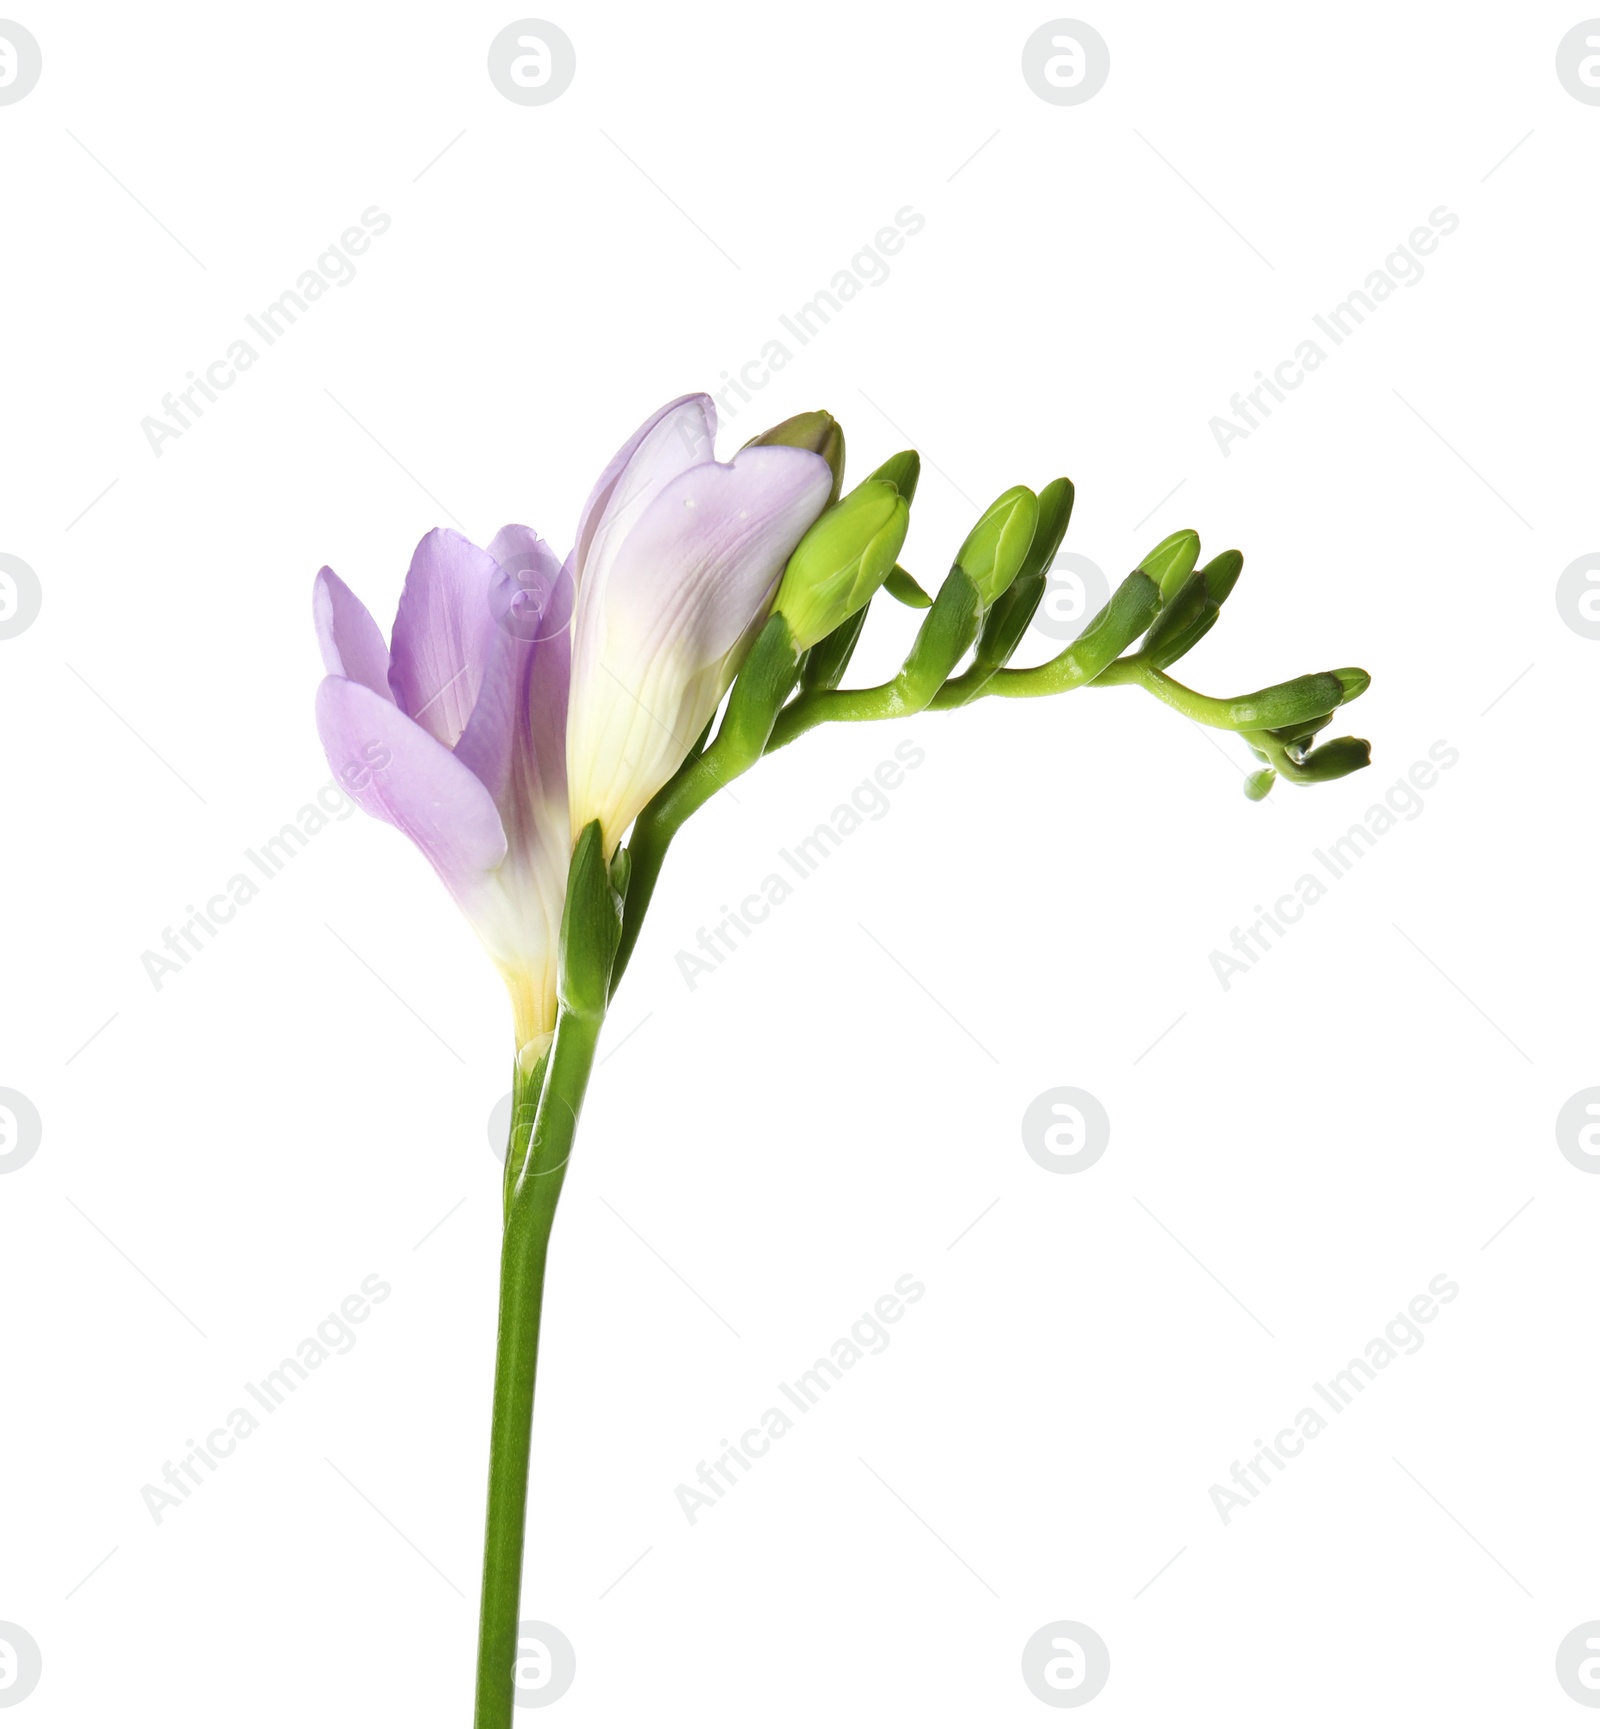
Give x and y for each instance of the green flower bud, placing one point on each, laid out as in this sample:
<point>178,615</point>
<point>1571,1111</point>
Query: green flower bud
<point>902,471</point>
<point>1354,681</point>
<point>815,430</point>
<point>1188,614</point>
<point>1259,784</point>
<point>1193,605</point>
<point>1222,573</point>
<point>994,552</point>
<point>844,558</point>
<point>1168,565</point>
<point>907,590</point>
<point>1335,759</point>
<point>1291,703</point>
<point>1055,512</point>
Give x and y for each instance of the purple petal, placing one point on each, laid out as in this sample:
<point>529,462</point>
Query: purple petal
<point>515,741</point>
<point>352,645</point>
<point>443,632</point>
<point>681,435</point>
<point>657,641</point>
<point>396,771</point>
<point>705,558</point>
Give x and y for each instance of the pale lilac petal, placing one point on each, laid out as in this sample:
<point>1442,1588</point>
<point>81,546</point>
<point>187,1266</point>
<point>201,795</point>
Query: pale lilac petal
<point>706,556</point>
<point>656,646</point>
<point>443,632</point>
<point>395,770</point>
<point>519,551</point>
<point>516,744</point>
<point>681,435</point>
<point>352,645</point>
<point>515,741</point>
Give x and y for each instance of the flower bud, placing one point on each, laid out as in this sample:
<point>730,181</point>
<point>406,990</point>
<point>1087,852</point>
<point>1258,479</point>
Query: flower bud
<point>902,471</point>
<point>1354,679</point>
<point>814,430</point>
<point>1189,612</point>
<point>1289,704</point>
<point>907,590</point>
<point>1168,565</point>
<point>1335,759</point>
<point>1222,573</point>
<point>994,552</point>
<point>844,558</point>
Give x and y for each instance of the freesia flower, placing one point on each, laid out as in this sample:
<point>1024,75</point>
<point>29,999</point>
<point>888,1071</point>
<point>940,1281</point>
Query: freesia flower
<point>526,712</point>
<point>455,732</point>
<point>677,559</point>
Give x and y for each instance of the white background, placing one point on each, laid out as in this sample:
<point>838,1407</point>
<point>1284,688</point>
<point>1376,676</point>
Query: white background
<point>304,1103</point>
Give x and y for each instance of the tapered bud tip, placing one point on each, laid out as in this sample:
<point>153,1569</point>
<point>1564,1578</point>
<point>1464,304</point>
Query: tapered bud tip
<point>993,553</point>
<point>1354,680</point>
<point>907,590</point>
<point>814,430</point>
<point>846,555</point>
<point>1222,573</point>
<point>1337,758</point>
<point>902,471</point>
<point>1170,563</point>
<point>1259,784</point>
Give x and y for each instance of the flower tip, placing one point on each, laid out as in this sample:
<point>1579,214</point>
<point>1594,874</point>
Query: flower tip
<point>1222,573</point>
<point>1337,758</point>
<point>1354,679</point>
<point>994,551</point>
<point>1169,564</point>
<point>816,430</point>
<point>902,471</point>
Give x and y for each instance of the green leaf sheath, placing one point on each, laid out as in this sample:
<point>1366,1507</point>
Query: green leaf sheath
<point>526,1086</point>
<point>825,664</point>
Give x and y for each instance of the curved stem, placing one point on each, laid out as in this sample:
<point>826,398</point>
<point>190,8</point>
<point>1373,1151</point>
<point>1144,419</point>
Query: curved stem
<point>534,1187</point>
<point>1287,704</point>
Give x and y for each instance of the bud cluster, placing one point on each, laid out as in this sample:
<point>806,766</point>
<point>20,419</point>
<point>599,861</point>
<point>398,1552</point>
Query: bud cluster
<point>970,629</point>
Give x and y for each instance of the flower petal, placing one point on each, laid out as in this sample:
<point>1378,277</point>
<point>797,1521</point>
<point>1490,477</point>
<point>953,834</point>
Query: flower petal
<point>352,645</point>
<point>395,770</point>
<point>515,741</point>
<point>655,645</point>
<point>443,632</point>
<point>678,436</point>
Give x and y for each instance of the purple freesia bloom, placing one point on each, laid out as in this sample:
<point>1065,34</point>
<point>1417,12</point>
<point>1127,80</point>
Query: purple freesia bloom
<point>504,715</point>
<point>455,733</point>
<point>676,562</point>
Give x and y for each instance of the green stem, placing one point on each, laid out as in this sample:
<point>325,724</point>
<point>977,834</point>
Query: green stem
<point>1299,699</point>
<point>533,1190</point>
<point>946,633</point>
